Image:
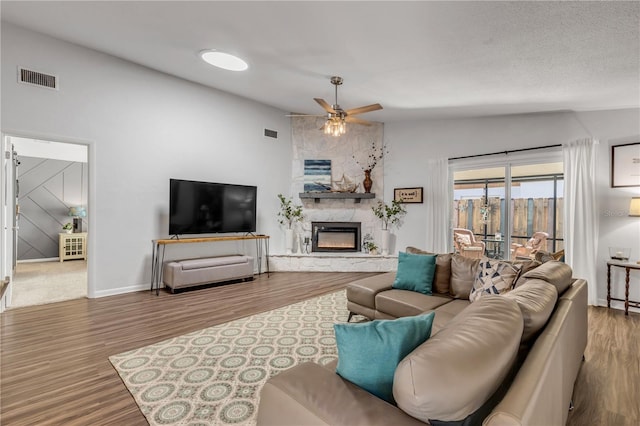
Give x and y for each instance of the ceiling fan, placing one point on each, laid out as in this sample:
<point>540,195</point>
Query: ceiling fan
<point>338,117</point>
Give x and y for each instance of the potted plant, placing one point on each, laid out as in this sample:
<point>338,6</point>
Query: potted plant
<point>289,215</point>
<point>68,227</point>
<point>369,245</point>
<point>389,215</point>
<point>376,154</point>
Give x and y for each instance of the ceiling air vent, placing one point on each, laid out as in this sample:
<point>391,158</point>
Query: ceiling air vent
<point>37,78</point>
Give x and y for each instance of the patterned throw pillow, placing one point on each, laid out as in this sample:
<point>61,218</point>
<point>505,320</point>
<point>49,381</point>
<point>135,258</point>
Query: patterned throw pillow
<point>494,277</point>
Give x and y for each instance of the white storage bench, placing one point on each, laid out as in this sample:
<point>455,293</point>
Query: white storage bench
<point>193,272</point>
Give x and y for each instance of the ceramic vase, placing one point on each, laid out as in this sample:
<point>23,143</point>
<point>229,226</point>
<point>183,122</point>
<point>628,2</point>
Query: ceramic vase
<point>384,245</point>
<point>288,241</point>
<point>367,183</point>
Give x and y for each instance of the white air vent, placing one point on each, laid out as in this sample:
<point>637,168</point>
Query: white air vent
<point>37,78</point>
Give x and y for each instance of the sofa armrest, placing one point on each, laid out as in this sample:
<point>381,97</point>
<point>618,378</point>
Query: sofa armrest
<point>309,394</point>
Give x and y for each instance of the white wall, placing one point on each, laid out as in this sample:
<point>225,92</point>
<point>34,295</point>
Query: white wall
<point>411,143</point>
<point>142,128</point>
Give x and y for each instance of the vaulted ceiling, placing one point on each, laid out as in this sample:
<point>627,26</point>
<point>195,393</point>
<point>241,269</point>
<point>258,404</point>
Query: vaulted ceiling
<point>417,59</point>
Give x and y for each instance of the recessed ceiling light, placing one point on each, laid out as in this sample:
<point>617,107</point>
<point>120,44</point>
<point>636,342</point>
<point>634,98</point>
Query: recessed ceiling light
<point>223,60</point>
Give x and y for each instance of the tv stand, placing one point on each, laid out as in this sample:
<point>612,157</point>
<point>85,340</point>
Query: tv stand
<point>159,246</point>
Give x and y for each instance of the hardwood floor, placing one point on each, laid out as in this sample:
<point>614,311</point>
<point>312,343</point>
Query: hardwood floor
<point>607,391</point>
<point>55,371</point>
<point>55,368</point>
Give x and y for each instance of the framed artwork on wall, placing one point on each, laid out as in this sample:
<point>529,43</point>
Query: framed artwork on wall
<point>317,175</point>
<point>625,165</point>
<point>408,195</point>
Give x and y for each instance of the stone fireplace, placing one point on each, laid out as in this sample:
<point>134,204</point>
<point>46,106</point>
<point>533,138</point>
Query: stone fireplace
<point>337,237</point>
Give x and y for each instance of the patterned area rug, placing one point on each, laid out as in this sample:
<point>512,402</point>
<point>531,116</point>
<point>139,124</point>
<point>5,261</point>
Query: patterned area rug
<point>214,376</point>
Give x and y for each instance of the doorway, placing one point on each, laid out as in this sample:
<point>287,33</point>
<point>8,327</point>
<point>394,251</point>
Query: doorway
<point>51,193</point>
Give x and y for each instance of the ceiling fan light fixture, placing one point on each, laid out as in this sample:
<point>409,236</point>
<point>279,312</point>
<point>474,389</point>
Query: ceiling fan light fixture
<point>335,126</point>
<point>223,60</point>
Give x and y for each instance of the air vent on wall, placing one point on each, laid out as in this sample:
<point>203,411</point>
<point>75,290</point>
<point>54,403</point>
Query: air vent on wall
<point>37,78</point>
<point>271,133</point>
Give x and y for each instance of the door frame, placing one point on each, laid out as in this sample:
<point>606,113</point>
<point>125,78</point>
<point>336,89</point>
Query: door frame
<point>5,234</point>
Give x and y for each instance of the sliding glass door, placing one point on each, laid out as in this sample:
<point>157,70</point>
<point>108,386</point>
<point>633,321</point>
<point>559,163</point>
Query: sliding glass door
<point>511,206</point>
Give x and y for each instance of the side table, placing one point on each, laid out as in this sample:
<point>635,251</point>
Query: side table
<point>627,267</point>
<point>72,246</point>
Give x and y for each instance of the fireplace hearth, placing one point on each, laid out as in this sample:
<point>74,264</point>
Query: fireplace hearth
<point>337,237</point>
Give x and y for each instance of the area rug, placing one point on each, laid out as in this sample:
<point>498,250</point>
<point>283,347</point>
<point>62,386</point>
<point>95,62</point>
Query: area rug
<point>214,376</point>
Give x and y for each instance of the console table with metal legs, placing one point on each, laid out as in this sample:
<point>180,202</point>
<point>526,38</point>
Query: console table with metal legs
<point>627,267</point>
<point>157,259</point>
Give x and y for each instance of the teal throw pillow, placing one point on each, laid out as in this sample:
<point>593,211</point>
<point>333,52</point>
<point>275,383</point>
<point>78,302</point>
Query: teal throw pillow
<point>415,272</point>
<point>368,353</point>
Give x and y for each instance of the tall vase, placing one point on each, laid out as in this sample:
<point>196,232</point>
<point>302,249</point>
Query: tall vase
<point>367,183</point>
<point>288,241</point>
<point>386,235</point>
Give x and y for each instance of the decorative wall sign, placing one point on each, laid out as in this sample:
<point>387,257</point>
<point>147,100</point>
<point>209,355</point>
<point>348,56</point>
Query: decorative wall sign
<point>408,195</point>
<point>317,175</point>
<point>625,165</point>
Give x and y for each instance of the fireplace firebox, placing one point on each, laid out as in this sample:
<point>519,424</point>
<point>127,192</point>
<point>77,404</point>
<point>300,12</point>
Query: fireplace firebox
<point>335,236</point>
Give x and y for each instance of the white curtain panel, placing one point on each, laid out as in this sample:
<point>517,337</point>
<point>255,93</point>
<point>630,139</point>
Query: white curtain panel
<point>580,211</point>
<point>438,194</point>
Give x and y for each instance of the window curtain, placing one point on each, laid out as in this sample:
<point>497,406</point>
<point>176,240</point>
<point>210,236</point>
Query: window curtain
<point>438,195</point>
<point>580,211</point>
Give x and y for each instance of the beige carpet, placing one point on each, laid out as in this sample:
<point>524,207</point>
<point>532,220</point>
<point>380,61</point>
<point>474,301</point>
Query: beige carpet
<point>38,283</point>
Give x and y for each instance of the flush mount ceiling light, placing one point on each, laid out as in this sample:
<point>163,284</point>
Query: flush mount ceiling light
<point>223,60</point>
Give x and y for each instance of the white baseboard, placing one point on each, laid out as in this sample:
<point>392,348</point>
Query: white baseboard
<point>46,259</point>
<point>122,290</point>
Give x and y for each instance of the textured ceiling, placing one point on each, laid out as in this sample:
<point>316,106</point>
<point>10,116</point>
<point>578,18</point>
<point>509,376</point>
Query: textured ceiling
<point>418,59</point>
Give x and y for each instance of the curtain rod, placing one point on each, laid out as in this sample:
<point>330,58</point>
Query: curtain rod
<point>505,152</point>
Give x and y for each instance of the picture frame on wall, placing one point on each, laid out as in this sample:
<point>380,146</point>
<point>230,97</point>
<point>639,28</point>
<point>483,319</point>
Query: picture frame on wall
<point>408,195</point>
<point>625,165</point>
<point>317,175</point>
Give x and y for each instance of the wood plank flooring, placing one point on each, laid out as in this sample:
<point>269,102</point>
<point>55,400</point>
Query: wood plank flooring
<point>55,371</point>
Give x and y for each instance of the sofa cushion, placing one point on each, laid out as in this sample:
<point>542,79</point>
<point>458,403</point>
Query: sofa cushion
<point>368,353</point>
<point>312,395</point>
<point>454,373</point>
<point>214,261</point>
<point>536,299</point>
<point>403,303</point>
<point>446,313</point>
<point>442,278</point>
<point>415,272</point>
<point>494,277</point>
<point>557,273</point>
<point>363,291</point>
<point>463,275</point>
<point>525,266</point>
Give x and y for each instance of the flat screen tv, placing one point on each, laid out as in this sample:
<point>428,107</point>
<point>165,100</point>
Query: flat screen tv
<point>207,207</point>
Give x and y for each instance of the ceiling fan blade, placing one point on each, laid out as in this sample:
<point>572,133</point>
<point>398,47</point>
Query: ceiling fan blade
<point>325,105</point>
<point>305,115</point>
<point>357,120</point>
<point>363,109</point>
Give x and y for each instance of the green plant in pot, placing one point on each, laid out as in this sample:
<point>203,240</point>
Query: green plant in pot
<point>67,227</point>
<point>289,215</point>
<point>369,245</point>
<point>389,214</point>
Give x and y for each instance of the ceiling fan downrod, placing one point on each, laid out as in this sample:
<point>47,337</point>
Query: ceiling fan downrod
<point>336,81</point>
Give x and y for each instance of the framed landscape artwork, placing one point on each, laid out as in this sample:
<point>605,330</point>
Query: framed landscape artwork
<point>625,165</point>
<point>408,195</point>
<point>317,175</point>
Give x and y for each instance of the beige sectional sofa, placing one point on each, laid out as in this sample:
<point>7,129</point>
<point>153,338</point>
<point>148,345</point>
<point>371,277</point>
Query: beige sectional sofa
<point>508,359</point>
